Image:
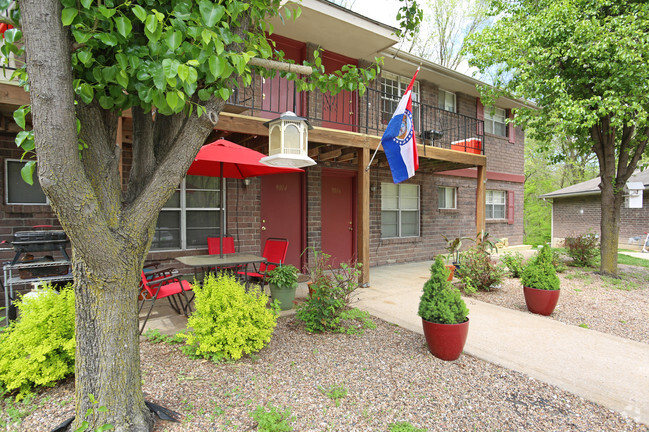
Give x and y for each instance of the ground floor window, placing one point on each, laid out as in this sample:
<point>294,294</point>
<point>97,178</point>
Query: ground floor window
<point>17,191</point>
<point>190,216</point>
<point>447,197</point>
<point>399,210</point>
<point>496,204</point>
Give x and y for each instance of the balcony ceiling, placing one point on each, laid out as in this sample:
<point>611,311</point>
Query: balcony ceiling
<point>337,29</point>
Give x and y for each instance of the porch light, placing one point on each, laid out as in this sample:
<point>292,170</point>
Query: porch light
<point>288,141</point>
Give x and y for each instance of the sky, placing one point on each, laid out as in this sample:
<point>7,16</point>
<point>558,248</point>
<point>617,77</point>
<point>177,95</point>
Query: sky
<point>384,11</point>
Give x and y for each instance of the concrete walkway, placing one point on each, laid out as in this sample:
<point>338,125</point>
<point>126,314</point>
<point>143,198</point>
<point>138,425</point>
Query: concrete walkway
<point>608,370</point>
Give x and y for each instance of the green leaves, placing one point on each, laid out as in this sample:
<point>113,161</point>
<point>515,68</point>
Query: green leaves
<point>210,12</point>
<point>68,15</point>
<point>124,26</point>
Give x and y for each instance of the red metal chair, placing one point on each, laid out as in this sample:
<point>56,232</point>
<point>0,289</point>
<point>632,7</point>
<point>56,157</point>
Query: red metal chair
<point>214,245</point>
<point>275,254</point>
<point>164,284</point>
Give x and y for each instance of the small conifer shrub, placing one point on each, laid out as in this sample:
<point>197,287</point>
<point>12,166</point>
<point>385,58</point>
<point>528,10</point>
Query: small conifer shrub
<point>540,272</point>
<point>441,303</point>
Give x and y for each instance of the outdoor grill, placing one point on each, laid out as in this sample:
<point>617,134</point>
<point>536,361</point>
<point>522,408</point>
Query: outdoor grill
<point>39,241</point>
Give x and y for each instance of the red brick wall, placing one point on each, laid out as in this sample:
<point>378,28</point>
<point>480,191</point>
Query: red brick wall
<point>18,217</point>
<point>579,215</point>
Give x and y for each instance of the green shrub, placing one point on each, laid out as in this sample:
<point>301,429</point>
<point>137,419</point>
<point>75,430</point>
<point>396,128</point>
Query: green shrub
<point>272,419</point>
<point>479,271</point>
<point>228,321</point>
<point>327,309</point>
<point>38,348</point>
<point>540,272</point>
<point>403,427</point>
<point>583,249</point>
<point>440,302</point>
<point>283,276</point>
<point>557,259</point>
<point>514,263</point>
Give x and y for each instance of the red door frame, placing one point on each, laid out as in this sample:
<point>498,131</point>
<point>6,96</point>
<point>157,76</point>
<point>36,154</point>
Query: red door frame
<point>334,172</point>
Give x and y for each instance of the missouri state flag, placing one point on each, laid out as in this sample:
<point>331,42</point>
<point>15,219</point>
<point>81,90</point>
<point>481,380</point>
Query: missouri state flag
<point>398,140</point>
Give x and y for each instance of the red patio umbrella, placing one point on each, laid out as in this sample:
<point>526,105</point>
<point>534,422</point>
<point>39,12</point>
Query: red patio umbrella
<point>225,159</point>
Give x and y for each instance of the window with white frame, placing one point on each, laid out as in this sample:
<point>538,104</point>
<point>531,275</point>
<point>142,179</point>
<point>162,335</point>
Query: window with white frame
<point>399,210</point>
<point>393,87</point>
<point>495,121</point>
<point>17,191</point>
<point>447,197</point>
<point>190,216</point>
<point>496,204</point>
<point>447,101</point>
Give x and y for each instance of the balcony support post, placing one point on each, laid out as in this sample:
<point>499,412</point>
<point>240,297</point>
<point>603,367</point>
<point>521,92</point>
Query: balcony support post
<point>480,200</point>
<point>363,212</point>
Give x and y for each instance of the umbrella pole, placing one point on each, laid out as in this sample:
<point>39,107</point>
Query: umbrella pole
<point>222,212</point>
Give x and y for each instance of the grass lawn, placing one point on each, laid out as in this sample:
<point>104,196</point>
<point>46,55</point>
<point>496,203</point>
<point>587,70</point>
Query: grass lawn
<point>630,260</point>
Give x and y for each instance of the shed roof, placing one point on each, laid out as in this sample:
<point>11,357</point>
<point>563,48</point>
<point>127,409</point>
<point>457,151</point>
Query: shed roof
<point>591,187</point>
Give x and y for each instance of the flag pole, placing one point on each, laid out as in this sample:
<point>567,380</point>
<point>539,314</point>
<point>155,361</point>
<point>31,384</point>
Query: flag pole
<point>367,168</point>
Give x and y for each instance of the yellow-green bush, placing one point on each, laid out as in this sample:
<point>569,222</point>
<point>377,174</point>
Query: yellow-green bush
<point>228,321</point>
<point>38,348</point>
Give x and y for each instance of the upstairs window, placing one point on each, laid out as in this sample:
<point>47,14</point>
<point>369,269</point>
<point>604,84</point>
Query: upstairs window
<point>495,121</point>
<point>447,197</point>
<point>19,192</point>
<point>399,210</point>
<point>393,87</point>
<point>447,101</point>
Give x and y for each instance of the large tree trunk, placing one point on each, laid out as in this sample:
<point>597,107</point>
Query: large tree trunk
<point>108,355</point>
<point>110,235</point>
<point>609,228</point>
<point>617,161</point>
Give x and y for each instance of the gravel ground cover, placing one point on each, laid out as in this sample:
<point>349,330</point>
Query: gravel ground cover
<point>387,374</point>
<point>618,307</point>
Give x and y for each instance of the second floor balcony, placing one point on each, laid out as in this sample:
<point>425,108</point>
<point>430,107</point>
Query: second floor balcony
<point>368,114</point>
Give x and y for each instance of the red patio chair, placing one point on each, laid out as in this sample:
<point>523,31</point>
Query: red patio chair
<point>214,245</point>
<point>164,284</point>
<point>275,254</point>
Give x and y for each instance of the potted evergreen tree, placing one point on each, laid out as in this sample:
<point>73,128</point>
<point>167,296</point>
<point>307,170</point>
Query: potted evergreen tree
<point>541,285</point>
<point>283,282</point>
<point>443,314</point>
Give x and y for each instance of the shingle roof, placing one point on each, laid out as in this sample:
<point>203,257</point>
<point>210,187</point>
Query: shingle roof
<point>591,187</point>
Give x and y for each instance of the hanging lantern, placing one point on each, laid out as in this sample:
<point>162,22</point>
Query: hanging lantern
<point>288,141</point>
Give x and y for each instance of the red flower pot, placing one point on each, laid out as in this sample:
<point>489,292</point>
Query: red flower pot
<point>451,269</point>
<point>540,301</point>
<point>445,341</point>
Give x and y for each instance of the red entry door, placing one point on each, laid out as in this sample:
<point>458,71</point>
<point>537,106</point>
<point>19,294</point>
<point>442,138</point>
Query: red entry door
<point>338,227</point>
<point>281,212</point>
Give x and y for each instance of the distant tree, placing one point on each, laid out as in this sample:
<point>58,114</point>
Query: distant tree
<point>550,165</point>
<point>584,62</point>
<point>446,24</point>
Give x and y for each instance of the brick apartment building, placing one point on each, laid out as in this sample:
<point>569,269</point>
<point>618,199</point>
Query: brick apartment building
<point>576,210</point>
<point>336,205</point>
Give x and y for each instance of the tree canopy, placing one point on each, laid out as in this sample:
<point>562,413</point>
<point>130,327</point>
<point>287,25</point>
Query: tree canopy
<point>583,62</point>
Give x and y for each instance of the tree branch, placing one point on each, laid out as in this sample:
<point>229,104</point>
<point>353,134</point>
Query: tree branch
<point>172,168</point>
<point>61,173</point>
<point>144,161</point>
<point>101,159</point>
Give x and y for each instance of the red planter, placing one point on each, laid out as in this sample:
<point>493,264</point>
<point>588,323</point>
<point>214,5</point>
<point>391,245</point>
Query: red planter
<point>540,301</point>
<point>451,269</point>
<point>445,341</point>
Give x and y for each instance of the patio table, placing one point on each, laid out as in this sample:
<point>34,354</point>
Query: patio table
<point>225,261</point>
